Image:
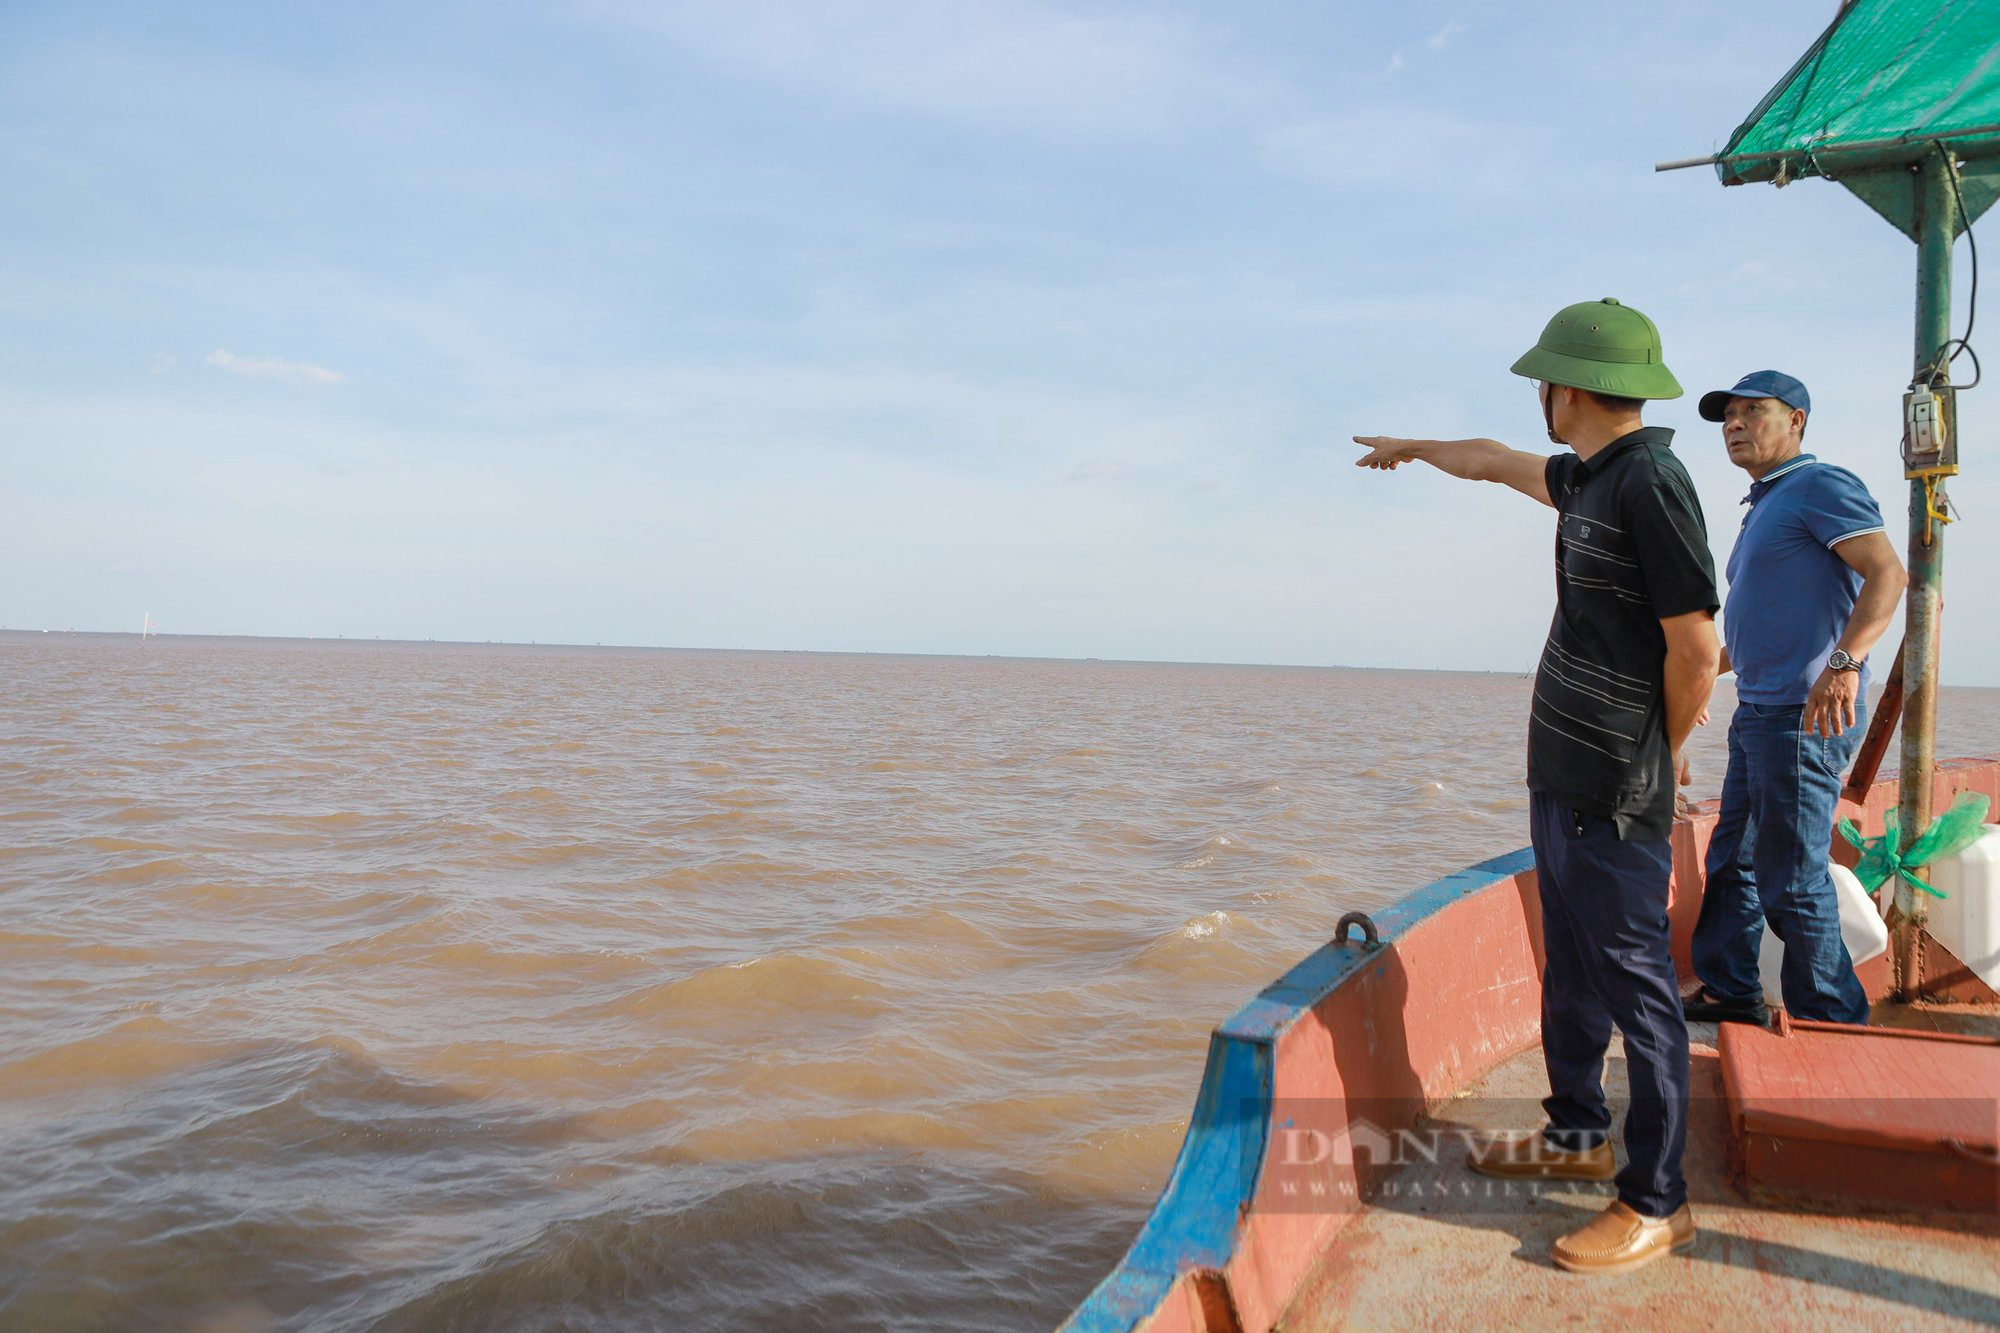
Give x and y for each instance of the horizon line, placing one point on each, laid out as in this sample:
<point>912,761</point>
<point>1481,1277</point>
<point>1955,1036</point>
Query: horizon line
<point>814,652</point>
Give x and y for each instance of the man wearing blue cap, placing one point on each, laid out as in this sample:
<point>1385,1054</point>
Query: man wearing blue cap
<point>1813,583</point>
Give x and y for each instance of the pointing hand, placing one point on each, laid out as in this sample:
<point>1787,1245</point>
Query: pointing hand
<point>1384,451</point>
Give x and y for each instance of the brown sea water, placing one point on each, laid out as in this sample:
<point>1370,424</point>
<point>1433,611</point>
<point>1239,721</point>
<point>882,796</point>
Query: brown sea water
<point>361,985</point>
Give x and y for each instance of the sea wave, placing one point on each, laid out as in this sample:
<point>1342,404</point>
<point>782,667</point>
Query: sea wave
<point>502,987</point>
<point>786,986</point>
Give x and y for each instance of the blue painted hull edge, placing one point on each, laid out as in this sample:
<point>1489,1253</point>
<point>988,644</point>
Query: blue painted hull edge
<point>1194,1224</point>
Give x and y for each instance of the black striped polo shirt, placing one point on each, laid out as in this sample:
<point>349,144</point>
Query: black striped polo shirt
<point>1631,551</point>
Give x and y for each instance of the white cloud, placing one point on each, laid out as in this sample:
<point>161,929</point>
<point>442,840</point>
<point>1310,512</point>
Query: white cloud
<point>162,362</point>
<point>301,373</point>
<point>983,426</point>
<point>1413,149</point>
<point>1395,64</point>
<point>1442,37</point>
<point>1101,469</point>
<point>1007,64</point>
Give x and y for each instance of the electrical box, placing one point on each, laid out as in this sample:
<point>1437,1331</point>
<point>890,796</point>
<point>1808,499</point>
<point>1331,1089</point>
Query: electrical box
<point>1930,432</point>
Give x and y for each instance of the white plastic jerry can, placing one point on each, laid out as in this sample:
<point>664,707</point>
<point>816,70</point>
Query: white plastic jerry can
<point>1861,929</point>
<point>1967,919</point>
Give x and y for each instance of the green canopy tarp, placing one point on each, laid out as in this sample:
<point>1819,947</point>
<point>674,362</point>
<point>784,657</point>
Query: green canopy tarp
<point>1887,82</point>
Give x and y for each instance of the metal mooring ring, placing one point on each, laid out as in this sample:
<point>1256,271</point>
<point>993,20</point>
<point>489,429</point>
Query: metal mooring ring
<point>1370,939</point>
<point>1984,1156</point>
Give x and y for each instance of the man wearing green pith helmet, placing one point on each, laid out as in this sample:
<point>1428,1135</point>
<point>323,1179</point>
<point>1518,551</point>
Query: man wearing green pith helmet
<point>1630,660</point>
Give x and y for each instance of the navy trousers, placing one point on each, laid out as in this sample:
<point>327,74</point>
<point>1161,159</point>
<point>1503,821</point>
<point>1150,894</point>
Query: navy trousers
<point>1609,963</point>
<point>1767,862</point>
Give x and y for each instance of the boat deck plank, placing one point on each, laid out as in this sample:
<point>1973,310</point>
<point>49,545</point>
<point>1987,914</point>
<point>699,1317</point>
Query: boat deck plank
<point>1421,1256</point>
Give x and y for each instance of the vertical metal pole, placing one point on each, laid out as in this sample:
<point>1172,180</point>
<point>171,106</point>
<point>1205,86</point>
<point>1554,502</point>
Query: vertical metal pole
<point>1936,229</point>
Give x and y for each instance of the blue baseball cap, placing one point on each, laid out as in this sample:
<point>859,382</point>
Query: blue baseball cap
<point>1757,384</point>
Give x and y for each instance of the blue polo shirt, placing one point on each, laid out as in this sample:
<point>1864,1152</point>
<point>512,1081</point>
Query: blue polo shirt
<point>1790,596</point>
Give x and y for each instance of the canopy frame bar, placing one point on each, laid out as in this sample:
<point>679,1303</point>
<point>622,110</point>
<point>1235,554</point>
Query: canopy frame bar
<point>1919,142</point>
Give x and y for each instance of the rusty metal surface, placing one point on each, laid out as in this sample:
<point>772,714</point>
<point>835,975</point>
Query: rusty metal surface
<point>1410,1263</point>
<point>1882,724</point>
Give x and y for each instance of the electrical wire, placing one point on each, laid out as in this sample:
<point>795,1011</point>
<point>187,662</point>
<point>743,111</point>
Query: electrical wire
<point>1964,343</point>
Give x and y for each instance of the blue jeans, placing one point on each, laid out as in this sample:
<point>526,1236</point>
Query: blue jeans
<point>1608,961</point>
<point>1767,862</point>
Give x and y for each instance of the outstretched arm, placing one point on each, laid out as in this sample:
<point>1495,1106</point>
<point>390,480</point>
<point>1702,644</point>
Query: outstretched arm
<point>1473,460</point>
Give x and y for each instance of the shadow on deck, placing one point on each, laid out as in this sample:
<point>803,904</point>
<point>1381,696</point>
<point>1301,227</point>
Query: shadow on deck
<point>1426,1255</point>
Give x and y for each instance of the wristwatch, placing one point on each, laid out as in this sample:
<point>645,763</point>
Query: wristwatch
<point>1840,661</point>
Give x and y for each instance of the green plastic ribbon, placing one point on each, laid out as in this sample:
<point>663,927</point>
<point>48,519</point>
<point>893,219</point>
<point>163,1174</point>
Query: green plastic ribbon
<point>1951,832</point>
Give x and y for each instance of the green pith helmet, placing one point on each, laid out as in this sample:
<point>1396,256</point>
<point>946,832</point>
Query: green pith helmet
<point>1602,346</point>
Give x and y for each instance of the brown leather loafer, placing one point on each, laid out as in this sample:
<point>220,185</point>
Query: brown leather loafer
<point>1619,1240</point>
<point>1533,1158</point>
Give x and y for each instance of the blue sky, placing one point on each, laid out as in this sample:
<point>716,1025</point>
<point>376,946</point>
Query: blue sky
<point>880,325</point>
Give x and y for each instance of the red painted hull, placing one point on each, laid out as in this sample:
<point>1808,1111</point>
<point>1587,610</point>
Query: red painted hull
<point>1825,1111</point>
